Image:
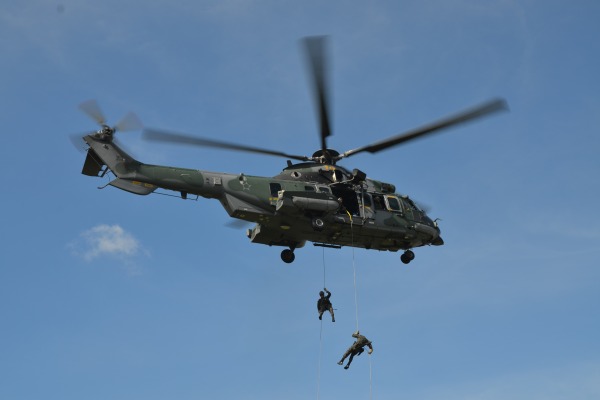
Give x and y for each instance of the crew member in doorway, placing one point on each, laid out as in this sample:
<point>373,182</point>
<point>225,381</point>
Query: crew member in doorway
<point>356,349</point>
<point>323,304</point>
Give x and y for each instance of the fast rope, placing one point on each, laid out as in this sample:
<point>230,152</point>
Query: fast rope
<point>319,368</point>
<point>356,308</point>
<point>356,303</point>
<point>354,267</point>
<point>321,337</point>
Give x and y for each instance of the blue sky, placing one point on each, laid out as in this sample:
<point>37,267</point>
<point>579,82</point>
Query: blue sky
<point>104,294</point>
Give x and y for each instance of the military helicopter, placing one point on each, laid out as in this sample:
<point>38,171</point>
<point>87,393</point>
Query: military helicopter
<point>314,200</point>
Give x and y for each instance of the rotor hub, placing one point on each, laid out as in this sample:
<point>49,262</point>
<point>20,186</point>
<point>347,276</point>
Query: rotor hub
<point>327,156</point>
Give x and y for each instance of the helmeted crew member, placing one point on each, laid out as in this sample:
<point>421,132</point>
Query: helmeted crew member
<point>323,304</point>
<point>356,349</point>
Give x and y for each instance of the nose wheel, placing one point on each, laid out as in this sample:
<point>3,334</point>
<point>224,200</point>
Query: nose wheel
<point>406,257</point>
<point>288,256</point>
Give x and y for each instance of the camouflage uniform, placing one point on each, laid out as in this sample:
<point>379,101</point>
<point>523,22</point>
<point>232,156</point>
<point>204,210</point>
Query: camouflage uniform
<point>323,304</point>
<point>356,349</point>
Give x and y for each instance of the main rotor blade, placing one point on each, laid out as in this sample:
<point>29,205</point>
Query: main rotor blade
<point>170,137</point>
<point>238,224</point>
<point>317,64</point>
<point>92,109</point>
<point>465,116</point>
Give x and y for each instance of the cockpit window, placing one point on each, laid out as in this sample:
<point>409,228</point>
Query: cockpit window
<point>410,204</point>
<point>393,203</point>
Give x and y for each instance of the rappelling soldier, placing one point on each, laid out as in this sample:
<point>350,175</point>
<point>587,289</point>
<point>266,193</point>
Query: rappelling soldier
<point>323,304</point>
<point>356,349</point>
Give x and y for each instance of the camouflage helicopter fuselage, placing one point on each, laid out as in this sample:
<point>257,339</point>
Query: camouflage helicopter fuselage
<point>320,203</point>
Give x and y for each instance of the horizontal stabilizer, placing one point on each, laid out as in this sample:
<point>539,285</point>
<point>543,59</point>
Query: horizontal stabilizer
<point>134,187</point>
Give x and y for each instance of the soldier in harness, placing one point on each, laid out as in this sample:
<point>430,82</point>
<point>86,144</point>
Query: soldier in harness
<point>356,349</point>
<point>323,304</point>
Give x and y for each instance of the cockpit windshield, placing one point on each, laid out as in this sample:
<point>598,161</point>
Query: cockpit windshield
<point>410,203</point>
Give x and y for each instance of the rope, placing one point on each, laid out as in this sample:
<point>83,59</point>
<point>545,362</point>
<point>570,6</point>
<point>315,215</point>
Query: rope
<point>319,369</point>
<point>356,304</point>
<point>324,285</point>
<point>354,268</point>
<point>356,308</point>
<point>321,338</point>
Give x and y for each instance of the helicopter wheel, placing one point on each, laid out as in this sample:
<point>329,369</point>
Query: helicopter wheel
<point>407,256</point>
<point>288,256</point>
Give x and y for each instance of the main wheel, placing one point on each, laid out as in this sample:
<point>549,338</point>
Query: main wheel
<point>288,256</point>
<point>407,256</point>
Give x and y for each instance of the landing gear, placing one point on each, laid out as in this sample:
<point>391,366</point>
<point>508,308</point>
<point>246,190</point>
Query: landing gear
<point>407,256</point>
<point>288,256</point>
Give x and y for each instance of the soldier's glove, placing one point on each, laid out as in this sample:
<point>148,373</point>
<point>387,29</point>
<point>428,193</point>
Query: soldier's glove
<point>370,351</point>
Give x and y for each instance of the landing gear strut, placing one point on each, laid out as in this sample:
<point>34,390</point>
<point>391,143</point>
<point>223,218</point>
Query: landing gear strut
<point>406,257</point>
<point>288,256</point>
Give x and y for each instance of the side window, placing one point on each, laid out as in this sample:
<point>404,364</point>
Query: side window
<point>367,200</point>
<point>393,203</point>
<point>309,188</point>
<point>324,189</point>
<point>275,188</point>
<point>378,202</point>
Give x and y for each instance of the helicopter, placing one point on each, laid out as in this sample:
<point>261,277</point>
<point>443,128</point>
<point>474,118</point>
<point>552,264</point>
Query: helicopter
<point>314,200</point>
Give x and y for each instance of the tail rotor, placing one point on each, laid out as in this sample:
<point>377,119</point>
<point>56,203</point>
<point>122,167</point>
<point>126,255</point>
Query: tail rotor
<point>129,122</point>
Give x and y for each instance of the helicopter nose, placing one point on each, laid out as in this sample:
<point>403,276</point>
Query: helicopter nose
<point>431,227</point>
<point>438,241</point>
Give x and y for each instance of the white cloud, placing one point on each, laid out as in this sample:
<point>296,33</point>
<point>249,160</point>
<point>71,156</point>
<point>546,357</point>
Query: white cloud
<point>112,241</point>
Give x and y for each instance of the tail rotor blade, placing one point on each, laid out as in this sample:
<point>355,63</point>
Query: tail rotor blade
<point>78,142</point>
<point>128,123</point>
<point>92,109</point>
